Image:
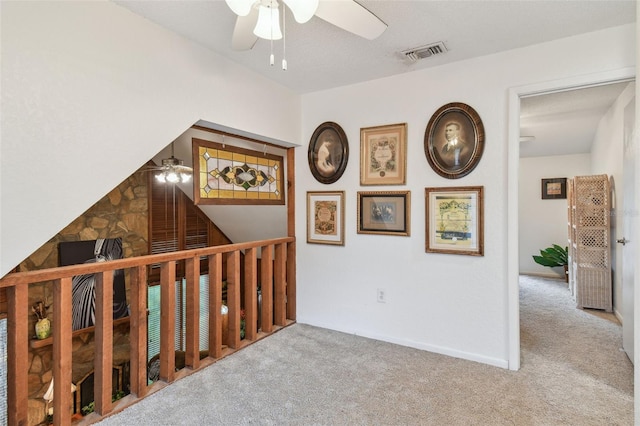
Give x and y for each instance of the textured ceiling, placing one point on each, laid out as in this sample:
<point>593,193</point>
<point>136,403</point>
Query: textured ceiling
<point>565,122</point>
<point>321,56</point>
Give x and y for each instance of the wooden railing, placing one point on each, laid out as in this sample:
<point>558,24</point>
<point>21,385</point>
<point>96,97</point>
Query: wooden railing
<point>278,292</point>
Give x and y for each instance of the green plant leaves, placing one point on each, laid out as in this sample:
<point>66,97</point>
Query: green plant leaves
<point>553,256</point>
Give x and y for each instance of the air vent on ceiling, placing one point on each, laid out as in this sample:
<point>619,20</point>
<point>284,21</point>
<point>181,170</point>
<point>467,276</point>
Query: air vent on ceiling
<point>423,52</point>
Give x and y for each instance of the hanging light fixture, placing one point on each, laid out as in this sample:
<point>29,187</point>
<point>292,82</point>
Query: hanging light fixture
<point>173,170</point>
<point>268,25</point>
<point>303,10</point>
<point>268,21</point>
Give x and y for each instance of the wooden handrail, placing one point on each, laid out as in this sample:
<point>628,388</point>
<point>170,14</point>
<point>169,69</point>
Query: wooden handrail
<point>278,297</point>
<point>49,274</point>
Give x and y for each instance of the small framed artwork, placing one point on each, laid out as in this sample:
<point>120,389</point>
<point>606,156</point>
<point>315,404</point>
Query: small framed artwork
<point>383,155</point>
<point>454,140</point>
<point>328,152</point>
<point>555,188</point>
<point>384,212</point>
<point>325,217</point>
<point>455,220</point>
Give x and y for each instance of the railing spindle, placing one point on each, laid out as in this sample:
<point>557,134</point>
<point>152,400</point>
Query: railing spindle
<point>266,289</point>
<point>17,354</point>
<point>233,298</point>
<point>280,283</point>
<point>167,321</point>
<point>251,293</point>
<point>215,305</point>
<point>192,316</point>
<point>103,361</point>
<point>291,296</point>
<point>62,328</point>
<point>138,331</point>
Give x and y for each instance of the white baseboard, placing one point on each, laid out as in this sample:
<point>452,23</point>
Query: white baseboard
<point>496,362</point>
<point>618,315</point>
<point>543,275</point>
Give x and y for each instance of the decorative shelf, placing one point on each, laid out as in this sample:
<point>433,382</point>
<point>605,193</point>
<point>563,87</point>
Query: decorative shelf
<point>41,343</point>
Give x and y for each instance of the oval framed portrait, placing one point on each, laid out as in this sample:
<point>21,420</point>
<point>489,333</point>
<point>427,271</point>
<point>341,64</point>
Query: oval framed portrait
<point>328,152</point>
<point>454,140</point>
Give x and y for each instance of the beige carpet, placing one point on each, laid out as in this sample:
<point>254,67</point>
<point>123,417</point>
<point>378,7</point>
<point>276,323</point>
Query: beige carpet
<point>573,373</point>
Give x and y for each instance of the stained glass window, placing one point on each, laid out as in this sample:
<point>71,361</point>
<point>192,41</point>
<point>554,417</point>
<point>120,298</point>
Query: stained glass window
<point>231,175</point>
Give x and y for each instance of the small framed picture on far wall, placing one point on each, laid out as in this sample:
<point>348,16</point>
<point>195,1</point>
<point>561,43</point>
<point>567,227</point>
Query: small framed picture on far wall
<point>555,188</point>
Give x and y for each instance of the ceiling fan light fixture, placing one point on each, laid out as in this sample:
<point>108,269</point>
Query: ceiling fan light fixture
<point>268,25</point>
<point>241,7</point>
<point>302,10</point>
<point>173,170</point>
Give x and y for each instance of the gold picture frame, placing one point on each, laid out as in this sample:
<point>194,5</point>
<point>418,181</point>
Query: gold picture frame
<point>384,212</point>
<point>325,217</point>
<point>225,174</point>
<point>383,155</point>
<point>455,220</point>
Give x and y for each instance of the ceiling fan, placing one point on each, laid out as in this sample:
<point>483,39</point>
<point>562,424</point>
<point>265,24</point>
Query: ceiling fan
<point>260,18</point>
<point>172,170</point>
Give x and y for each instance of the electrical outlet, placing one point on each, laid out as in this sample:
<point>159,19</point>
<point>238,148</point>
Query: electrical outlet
<point>382,295</point>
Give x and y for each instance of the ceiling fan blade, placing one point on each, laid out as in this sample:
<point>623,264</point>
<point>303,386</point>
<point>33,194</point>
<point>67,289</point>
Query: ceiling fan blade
<point>243,36</point>
<point>240,7</point>
<point>302,10</point>
<point>352,17</point>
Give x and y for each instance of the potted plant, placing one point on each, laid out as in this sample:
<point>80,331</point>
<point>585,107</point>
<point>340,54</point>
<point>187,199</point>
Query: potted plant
<point>554,256</point>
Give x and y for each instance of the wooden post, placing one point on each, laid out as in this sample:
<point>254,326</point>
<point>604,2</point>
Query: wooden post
<point>192,355</point>
<point>17,354</point>
<point>233,296</point>
<point>280,286</point>
<point>291,281</point>
<point>167,321</point>
<point>251,293</point>
<point>215,304</point>
<point>138,331</point>
<point>290,292</point>
<point>266,289</point>
<point>291,192</point>
<point>62,349</point>
<point>103,361</point>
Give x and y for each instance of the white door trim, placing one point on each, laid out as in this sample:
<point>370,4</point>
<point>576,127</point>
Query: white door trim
<point>513,158</point>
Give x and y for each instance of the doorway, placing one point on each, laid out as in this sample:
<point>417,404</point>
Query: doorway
<point>513,261</point>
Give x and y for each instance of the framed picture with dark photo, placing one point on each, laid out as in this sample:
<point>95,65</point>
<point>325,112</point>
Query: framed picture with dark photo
<point>555,188</point>
<point>384,212</point>
<point>328,152</point>
<point>454,140</point>
<point>83,286</point>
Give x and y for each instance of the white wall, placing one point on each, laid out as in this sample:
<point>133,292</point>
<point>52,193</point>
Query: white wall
<point>89,80</point>
<point>607,158</point>
<point>544,222</point>
<point>90,92</point>
<point>452,304</point>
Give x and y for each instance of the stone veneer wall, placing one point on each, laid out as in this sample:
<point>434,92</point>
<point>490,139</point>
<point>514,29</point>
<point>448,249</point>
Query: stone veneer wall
<point>123,213</point>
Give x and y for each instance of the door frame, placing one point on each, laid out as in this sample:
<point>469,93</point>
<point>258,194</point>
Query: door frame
<point>513,159</point>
